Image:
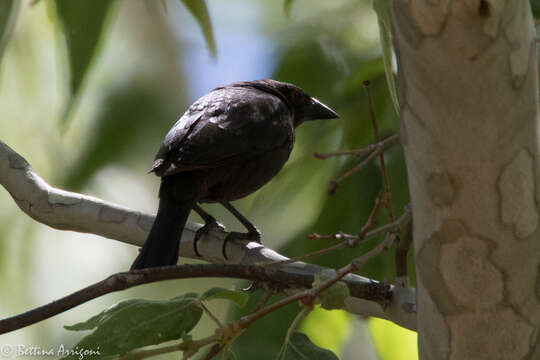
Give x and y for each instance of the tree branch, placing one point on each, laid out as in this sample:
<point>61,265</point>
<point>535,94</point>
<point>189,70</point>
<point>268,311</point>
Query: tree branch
<point>71,211</point>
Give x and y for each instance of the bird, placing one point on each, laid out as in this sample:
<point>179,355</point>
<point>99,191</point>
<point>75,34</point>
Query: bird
<point>228,143</point>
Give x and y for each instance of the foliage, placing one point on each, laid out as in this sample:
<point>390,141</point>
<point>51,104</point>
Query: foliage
<point>135,323</point>
<point>299,347</point>
<point>320,59</point>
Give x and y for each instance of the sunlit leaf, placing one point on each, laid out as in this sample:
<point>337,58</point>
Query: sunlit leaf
<point>240,298</point>
<point>329,329</point>
<point>136,323</point>
<point>382,10</point>
<point>82,23</point>
<point>300,347</point>
<point>392,341</point>
<point>199,10</point>
<point>9,10</point>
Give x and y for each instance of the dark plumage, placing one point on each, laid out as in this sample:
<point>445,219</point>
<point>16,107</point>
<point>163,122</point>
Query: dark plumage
<point>228,144</point>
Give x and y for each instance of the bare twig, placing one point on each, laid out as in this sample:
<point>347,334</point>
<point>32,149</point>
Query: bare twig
<point>213,351</point>
<point>335,236</point>
<point>302,314</point>
<point>191,345</point>
<point>386,186</point>
<point>352,242</point>
<point>209,313</point>
<point>335,183</point>
<point>125,280</point>
<point>360,152</point>
<point>319,252</point>
<point>310,293</point>
<point>267,294</point>
<point>72,211</point>
<point>371,219</point>
<point>396,226</point>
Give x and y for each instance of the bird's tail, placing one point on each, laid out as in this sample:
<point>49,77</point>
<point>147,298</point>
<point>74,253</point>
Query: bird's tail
<point>176,199</point>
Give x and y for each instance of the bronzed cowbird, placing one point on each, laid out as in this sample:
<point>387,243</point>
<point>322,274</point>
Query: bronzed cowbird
<point>227,144</point>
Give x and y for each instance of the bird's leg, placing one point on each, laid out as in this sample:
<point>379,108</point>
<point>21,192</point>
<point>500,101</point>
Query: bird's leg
<point>253,233</point>
<point>209,224</point>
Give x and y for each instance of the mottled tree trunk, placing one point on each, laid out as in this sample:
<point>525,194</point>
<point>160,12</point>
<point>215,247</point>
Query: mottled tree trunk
<point>468,88</point>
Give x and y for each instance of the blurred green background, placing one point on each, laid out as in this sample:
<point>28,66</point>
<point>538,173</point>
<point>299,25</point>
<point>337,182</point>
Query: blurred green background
<point>96,129</point>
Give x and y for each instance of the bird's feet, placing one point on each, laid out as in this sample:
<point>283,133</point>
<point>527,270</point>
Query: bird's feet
<point>204,230</point>
<point>252,235</point>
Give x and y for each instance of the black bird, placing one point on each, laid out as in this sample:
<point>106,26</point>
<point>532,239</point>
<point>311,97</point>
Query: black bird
<point>227,144</point>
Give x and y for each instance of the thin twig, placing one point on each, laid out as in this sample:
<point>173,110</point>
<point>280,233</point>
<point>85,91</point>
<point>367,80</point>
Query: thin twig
<point>359,152</point>
<point>267,294</point>
<point>398,225</point>
<point>386,185</point>
<point>371,218</point>
<point>125,280</point>
<point>209,313</point>
<point>335,183</point>
<point>302,314</point>
<point>351,242</point>
<point>213,351</point>
<point>192,345</point>
<point>335,236</point>
<point>311,293</point>
<point>319,252</point>
<point>355,265</point>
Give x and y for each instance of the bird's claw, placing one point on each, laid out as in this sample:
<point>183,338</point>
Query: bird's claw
<point>233,235</point>
<point>205,230</point>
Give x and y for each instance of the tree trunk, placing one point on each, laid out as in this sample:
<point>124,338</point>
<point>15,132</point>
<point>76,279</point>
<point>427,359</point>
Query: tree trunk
<point>468,88</point>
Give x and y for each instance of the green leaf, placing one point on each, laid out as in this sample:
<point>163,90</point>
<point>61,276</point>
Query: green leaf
<point>300,347</point>
<point>287,5</point>
<point>82,24</point>
<point>382,9</point>
<point>329,329</point>
<point>333,297</point>
<point>9,10</point>
<point>240,298</point>
<point>136,323</point>
<point>392,341</point>
<point>199,10</point>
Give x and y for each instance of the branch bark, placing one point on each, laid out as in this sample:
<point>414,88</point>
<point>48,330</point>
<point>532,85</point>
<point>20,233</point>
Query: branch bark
<point>65,210</point>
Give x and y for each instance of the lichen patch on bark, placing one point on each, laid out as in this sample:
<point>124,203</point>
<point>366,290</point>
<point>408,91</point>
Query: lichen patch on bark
<point>517,188</point>
<point>507,335</point>
<point>469,275</point>
<point>430,15</point>
<point>441,188</point>
<point>519,43</point>
<point>429,267</point>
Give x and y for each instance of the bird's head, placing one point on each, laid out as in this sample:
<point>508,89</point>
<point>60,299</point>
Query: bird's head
<point>304,106</point>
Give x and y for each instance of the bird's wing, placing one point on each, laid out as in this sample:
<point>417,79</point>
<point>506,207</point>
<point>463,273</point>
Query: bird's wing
<point>227,125</point>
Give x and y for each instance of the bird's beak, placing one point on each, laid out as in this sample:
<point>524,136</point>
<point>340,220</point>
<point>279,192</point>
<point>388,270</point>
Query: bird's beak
<point>316,110</point>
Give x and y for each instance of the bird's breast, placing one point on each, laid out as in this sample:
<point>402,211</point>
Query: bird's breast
<point>235,181</point>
